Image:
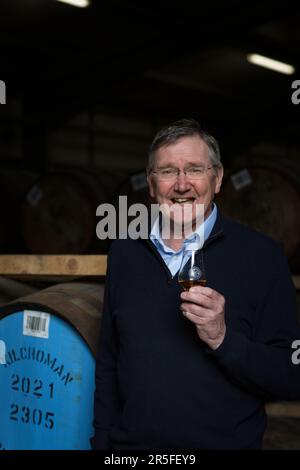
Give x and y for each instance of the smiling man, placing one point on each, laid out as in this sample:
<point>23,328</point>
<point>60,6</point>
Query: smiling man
<point>192,370</point>
<point>184,172</point>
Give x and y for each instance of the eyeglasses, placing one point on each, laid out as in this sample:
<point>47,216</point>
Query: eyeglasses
<point>192,173</point>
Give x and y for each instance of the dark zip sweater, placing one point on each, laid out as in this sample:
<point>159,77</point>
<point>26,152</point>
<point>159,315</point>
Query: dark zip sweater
<point>158,386</point>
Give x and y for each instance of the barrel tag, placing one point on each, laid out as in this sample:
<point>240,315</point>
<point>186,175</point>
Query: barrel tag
<point>36,324</point>
<point>241,179</point>
<point>34,196</point>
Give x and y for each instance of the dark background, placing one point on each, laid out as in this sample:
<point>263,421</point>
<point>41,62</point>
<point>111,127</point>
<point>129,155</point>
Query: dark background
<point>88,88</point>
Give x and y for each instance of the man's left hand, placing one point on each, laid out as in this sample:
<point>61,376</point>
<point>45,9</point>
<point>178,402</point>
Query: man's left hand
<point>205,308</point>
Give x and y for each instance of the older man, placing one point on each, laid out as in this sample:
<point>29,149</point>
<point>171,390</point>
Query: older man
<point>180,370</point>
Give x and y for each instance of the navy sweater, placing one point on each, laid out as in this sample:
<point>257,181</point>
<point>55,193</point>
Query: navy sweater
<point>158,386</point>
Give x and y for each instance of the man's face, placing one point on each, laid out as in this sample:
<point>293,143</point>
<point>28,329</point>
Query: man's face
<point>185,153</point>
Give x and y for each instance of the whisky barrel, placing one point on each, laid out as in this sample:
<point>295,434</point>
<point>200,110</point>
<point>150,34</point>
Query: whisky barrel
<point>282,433</point>
<point>264,198</point>
<point>59,213</point>
<point>135,187</point>
<point>11,289</point>
<point>47,369</point>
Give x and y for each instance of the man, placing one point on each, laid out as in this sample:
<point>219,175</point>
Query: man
<point>192,370</point>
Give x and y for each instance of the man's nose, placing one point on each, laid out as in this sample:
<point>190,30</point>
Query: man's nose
<point>182,183</point>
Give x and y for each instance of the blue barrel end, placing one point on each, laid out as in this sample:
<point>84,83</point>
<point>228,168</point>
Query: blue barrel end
<point>47,384</point>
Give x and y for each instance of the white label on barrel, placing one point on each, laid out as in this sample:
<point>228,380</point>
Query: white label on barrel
<point>241,179</point>
<point>2,352</point>
<point>34,196</point>
<point>36,324</point>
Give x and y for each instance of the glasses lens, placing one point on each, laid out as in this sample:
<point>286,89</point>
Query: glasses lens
<point>167,174</point>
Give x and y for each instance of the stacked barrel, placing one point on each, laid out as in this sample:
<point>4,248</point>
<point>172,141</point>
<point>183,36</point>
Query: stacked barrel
<point>47,354</point>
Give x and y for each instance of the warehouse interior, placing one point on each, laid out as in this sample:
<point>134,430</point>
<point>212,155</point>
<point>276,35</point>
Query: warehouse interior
<point>86,89</point>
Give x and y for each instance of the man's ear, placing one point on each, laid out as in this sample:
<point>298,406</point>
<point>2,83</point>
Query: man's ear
<point>150,184</point>
<point>219,178</point>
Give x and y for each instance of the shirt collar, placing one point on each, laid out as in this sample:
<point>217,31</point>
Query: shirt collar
<point>155,235</point>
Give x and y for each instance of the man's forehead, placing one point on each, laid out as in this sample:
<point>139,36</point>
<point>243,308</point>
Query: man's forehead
<point>191,149</point>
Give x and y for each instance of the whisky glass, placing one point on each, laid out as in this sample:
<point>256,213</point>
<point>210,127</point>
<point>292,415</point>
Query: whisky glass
<point>192,270</point>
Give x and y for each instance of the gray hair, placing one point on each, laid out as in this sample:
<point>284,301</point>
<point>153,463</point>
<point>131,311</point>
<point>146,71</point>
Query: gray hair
<point>183,128</point>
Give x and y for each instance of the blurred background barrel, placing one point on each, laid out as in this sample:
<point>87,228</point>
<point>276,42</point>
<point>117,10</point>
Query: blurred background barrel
<point>14,185</point>
<point>135,187</point>
<point>11,289</point>
<point>48,345</point>
<point>265,198</point>
<point>282,433</point>
<point>59,213</point>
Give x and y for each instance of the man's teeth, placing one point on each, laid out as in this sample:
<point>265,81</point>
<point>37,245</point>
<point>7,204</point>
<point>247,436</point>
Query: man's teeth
<point>183,200</point>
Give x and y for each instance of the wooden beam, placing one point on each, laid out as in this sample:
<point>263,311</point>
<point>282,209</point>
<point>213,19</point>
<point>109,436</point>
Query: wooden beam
<point>296,280</point>
<point>289,409</point>
<point>61,265</point>
<point>52,265</point>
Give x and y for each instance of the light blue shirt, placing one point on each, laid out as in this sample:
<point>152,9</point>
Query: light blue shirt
<point>173,258</point>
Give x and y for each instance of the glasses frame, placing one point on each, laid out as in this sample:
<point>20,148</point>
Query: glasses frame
<point>174,177</point>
